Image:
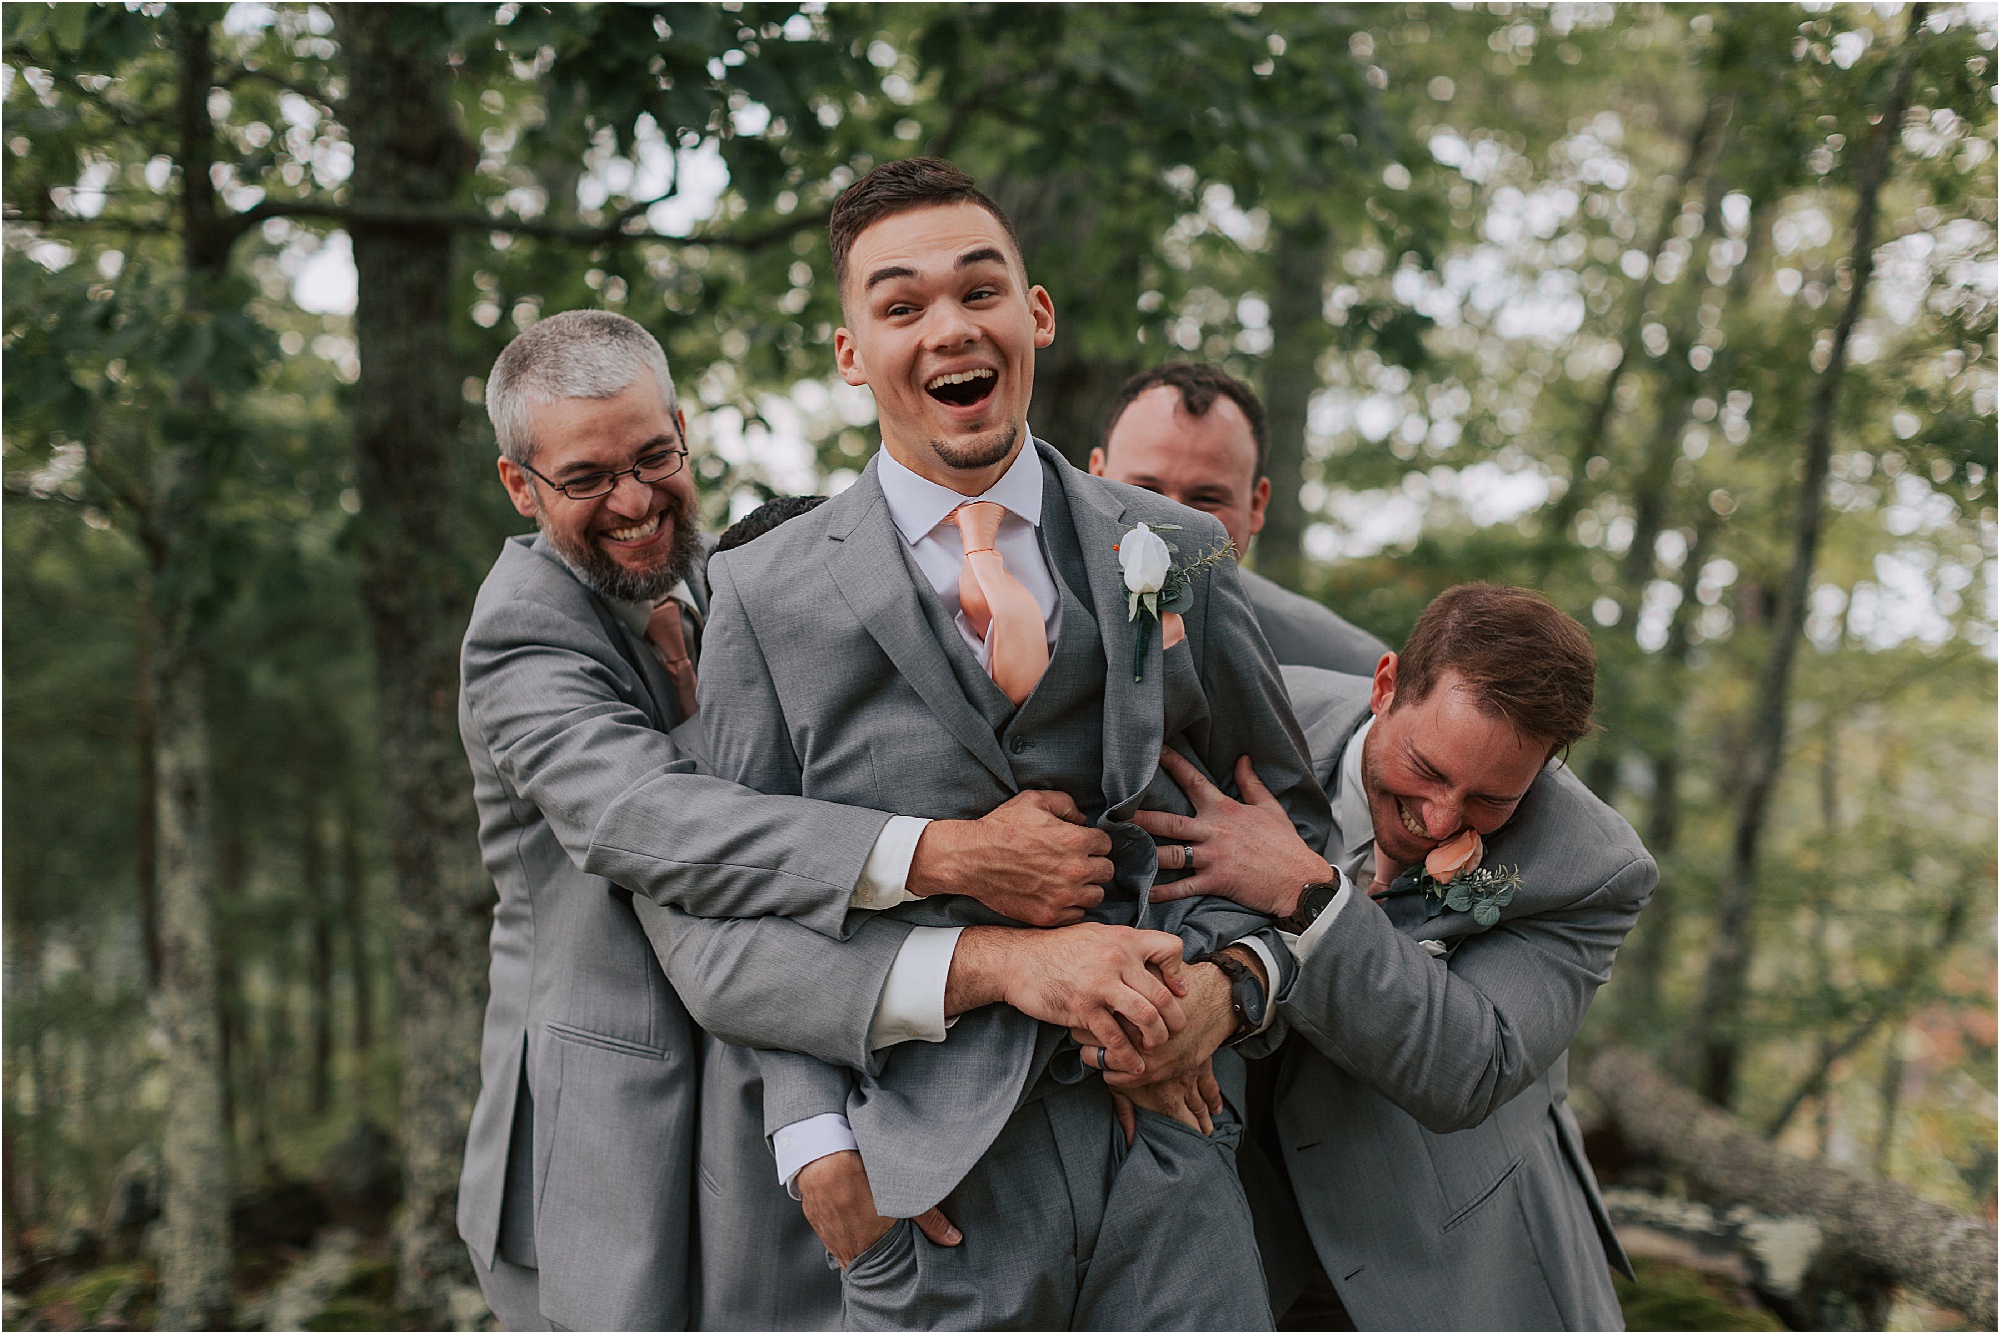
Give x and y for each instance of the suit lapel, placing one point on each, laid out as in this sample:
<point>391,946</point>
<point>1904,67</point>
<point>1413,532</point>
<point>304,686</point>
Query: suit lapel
<point>867,562</point>
<point>1134,711</point>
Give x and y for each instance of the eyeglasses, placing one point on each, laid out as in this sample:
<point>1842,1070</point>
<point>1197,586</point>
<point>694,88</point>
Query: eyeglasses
<point>657,466</point>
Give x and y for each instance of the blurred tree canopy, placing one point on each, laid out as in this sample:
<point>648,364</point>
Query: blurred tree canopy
<point>1540,294</point>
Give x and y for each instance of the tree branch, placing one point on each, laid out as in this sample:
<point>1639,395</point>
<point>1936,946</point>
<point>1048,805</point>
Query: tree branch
<point>1943,1254</point>
<point>242,74</point>
<point>1909,987</point>
<point>53,221</point>
<point>21,55</point>
<point>617,231</point>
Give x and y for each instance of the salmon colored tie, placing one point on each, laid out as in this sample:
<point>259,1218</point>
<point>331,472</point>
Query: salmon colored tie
<point>668,637</point>
<point>998,605</point>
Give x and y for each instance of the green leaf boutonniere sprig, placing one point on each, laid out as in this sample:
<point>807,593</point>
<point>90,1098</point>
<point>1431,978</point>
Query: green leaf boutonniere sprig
<point>1155,587</point>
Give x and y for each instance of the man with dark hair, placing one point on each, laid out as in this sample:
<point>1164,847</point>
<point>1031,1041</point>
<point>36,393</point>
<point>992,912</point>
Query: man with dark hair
<point>1197,434</point>
<point>763,519</point>
<point>951,628</point>
<point>1411,1156</point>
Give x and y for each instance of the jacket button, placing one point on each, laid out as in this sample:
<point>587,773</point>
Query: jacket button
<point>1019,744</point>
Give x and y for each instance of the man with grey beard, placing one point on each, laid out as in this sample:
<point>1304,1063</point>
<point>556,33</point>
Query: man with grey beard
<point>578,664</point>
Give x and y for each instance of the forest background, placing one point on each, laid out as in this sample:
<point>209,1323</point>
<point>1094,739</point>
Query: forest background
<point>1683,314</point>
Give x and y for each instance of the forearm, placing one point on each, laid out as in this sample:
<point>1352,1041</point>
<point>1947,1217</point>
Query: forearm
<point>563,720</point>
<point>980,967</point>
<point>771,983</point>
<point>715,849</point>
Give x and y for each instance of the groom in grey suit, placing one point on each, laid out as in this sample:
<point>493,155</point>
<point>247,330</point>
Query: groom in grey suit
<point>858,665</point>
<point>580,1161</point>
<point>1415,1164</point>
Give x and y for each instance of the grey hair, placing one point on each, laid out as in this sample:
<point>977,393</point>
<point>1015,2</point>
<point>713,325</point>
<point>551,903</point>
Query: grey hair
<point>576,354</point>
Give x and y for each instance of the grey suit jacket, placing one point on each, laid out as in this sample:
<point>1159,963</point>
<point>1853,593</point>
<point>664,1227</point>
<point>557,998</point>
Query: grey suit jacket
<point>584,800</point>
<point>1305,634</point>
<point>827,677</point>
<point>1421,1102</point>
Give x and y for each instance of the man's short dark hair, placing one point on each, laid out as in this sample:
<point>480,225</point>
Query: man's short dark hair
<point>899,187</point>
<point>759,522</point>
<point>1199,385</point>
<point>764,518</point>
<point>1522,658</point>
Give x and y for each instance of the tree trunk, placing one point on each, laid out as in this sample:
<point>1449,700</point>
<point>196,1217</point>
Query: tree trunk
<point>1073,394</point>
<point>145,842</point>
<point>1867,1225</point>
<point>1301,252</point>
<point>1654,936</point>
<point>1591,440</point>
<point>319,919</point>
<point>1712,1036</point>
<point>195,1264</point>
<point>195,1259</point>
<point>354,913</point>
<point>1076,377</point>
<point>408,149</point>
<point>1892,1097</point>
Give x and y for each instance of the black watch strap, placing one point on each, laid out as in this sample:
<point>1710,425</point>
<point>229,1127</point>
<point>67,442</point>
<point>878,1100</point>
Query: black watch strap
<point>1313,901</point>
<point>1247,1000</point>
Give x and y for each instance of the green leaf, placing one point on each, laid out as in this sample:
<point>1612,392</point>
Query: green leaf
<point>1177,597</point>
<point>1486,914</point>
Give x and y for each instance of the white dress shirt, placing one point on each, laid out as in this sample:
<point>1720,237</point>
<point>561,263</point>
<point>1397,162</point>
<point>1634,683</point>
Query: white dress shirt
<point>1357,836</point>
<point>920,507</point>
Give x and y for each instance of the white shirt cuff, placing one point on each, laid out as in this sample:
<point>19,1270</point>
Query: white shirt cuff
<point>1264,956</point>
<point>1302,946</point>
<point>885,879</point>
<point>911,1007</point>
<point>807,1141</point>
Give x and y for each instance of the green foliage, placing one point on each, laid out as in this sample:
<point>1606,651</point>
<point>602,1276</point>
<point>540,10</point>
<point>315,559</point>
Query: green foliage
<point>78,1303</point>
<point>1668,1296</point>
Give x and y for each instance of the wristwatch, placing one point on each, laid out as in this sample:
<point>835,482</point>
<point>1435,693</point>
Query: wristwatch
<point>1313,900</point>
<point>1246,995</point>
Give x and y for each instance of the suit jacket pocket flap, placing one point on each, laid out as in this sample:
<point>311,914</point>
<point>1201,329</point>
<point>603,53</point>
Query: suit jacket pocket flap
<point>621,1046</point>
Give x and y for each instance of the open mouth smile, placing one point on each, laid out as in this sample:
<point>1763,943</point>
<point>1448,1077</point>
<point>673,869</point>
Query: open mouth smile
<point>963,389</point>
<point>1410,822</point>
<point>638,532</point>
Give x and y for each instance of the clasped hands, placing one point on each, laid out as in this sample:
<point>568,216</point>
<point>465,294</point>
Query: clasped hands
<point>1124,994</point>
<point>1139,1013</point>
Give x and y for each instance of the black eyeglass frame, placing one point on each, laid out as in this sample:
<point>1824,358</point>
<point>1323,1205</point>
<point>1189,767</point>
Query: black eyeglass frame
<point>679,454</point>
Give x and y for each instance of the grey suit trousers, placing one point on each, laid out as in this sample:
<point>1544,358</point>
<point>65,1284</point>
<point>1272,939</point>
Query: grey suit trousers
<point>1068,1228</point>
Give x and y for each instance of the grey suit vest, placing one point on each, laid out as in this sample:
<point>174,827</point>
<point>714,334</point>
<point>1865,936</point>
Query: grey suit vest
<point>1055,739</point>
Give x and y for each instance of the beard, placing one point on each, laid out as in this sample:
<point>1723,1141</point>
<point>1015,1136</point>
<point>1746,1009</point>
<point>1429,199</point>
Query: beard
<point>981,451</point>
<point>608,579</point>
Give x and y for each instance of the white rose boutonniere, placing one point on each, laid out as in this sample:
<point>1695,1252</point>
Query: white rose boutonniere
<point>1155,588</point>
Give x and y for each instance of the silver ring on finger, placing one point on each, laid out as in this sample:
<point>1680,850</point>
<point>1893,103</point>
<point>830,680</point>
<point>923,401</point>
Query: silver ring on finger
<point>1187,856</point>
<point>1100,1058</point>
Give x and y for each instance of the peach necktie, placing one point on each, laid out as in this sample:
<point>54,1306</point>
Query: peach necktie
<point>668,637</point>
<point>998,605</point>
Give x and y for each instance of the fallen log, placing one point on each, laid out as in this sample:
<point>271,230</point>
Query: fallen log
<point>1945,1256</point>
